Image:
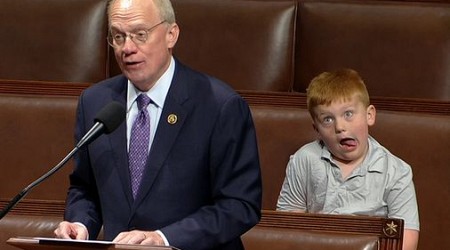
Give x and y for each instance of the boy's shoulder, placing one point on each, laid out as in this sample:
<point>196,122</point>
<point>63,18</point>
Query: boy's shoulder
<point>380,154</point>
<point>310,154</point>
<point>310,149</point>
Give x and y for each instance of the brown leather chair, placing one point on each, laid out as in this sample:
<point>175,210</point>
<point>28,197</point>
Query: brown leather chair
<point>401,49</point>
<point>53,40</point>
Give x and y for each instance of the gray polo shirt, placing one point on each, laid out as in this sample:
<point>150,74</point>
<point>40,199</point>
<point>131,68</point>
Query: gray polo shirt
<point>381,186</point>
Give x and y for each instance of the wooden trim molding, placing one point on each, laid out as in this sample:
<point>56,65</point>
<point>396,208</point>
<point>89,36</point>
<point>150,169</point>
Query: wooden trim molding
<point>298,100</point>
<point>23,87</point>
<point>36,207</point>
<point>388,230</point>
<point>281,99</point>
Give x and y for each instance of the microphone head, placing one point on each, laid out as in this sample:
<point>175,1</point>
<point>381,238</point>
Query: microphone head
<point>111,116</point>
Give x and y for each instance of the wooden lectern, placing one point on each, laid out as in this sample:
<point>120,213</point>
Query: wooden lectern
<point>28,243</point>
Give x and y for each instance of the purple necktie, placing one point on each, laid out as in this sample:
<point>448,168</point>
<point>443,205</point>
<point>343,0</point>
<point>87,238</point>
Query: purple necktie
<point>139,141</point>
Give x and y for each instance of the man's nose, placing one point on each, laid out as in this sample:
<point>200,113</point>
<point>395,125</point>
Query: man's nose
<point>129,46</point>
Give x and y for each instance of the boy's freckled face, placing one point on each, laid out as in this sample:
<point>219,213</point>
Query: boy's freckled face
<point>343,127</point>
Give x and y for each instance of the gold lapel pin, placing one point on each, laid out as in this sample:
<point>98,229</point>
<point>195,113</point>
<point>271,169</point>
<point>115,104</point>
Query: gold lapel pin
<point>172,119</point>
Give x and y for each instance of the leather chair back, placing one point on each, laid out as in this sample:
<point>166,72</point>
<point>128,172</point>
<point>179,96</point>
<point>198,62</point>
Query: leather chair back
<point>400,49</point>
<point>261,238</point>
<point>423,141</point>
<point>37,133</point>
<point>53,40</point>
<point>280,132</point>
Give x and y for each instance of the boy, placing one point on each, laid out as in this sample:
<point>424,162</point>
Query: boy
<point>346,171</point>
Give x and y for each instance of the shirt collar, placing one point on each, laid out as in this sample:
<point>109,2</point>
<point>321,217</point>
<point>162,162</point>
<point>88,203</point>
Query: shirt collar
<point>158,92</point>
<point>374,153</point>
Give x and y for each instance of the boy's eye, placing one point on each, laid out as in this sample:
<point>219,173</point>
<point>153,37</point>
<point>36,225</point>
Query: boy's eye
<point>327,120</point>
<point>348,114</point>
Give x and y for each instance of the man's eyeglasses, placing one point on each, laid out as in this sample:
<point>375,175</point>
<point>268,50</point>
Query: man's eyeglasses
<point>139,37</point>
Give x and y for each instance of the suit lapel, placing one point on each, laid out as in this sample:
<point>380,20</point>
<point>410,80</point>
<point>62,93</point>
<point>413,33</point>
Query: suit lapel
<point>118,141</point>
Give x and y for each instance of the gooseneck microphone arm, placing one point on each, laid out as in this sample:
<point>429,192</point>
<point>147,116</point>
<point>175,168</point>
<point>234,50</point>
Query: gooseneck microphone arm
<point>107,120</point>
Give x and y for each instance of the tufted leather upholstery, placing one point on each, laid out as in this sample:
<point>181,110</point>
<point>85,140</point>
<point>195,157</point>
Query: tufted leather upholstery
<point>37,133</point>
<point>53,40</point>
<point>401,49</point>
<point>424,142</point>
<point>263,238</point>
<point>291,127</point>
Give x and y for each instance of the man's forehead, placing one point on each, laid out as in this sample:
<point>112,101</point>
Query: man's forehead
<point>128,4</point>
<point>132,11</point>
<point>125,3</point>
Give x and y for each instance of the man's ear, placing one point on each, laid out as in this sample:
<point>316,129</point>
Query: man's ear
<point>172,35</point>
<point>371,115</point>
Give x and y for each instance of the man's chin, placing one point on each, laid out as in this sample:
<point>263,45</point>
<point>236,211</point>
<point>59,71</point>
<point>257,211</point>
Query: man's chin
<point>134,76</point>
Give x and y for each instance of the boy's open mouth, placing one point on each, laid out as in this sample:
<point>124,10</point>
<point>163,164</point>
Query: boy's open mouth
<point>348,142</point>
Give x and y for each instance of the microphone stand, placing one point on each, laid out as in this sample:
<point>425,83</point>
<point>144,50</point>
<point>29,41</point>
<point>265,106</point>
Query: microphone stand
<point>22,194</point>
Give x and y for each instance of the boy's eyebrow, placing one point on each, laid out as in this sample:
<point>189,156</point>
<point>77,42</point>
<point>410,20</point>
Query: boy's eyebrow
<point>323,113</point>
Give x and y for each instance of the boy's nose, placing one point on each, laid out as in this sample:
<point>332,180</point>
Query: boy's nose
<point>339,126</point>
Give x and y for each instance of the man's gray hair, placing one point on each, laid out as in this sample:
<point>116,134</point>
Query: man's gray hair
<point>166,11</point>
<point>164,7</point>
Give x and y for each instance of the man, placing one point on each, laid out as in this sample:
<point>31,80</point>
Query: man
<point>201,185</point>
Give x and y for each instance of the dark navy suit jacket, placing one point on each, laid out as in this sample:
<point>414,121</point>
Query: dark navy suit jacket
<point>202,185</point>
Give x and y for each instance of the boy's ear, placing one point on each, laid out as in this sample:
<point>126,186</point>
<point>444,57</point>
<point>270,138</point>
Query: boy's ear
<point>371,115</point>
<point>314,127</point>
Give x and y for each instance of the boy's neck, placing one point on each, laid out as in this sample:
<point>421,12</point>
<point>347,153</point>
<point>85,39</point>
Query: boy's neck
<point>347,168</point>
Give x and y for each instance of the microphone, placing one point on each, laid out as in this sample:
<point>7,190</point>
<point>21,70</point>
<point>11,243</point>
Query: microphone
<point>106,121</point>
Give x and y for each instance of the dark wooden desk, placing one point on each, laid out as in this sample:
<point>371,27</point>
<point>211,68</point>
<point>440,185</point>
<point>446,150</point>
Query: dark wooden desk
<point>27,243</point>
